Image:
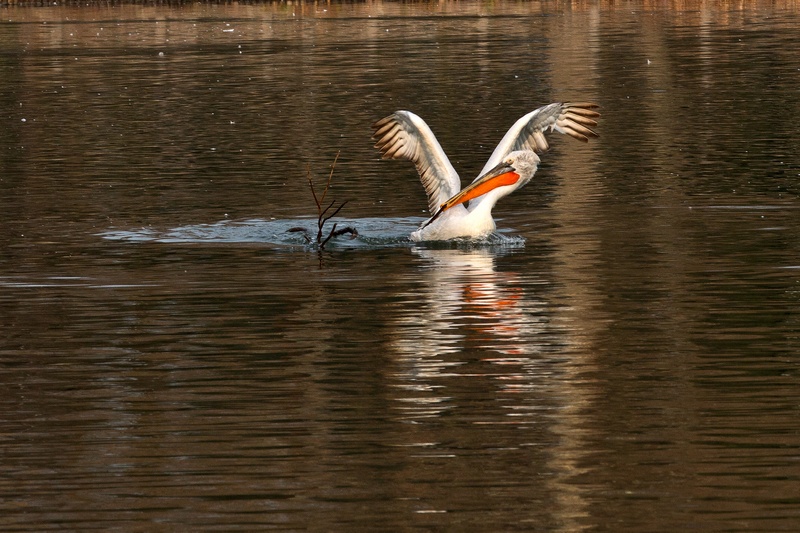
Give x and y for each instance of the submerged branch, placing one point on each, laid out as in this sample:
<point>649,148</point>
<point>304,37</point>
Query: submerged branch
<point>322,213</point>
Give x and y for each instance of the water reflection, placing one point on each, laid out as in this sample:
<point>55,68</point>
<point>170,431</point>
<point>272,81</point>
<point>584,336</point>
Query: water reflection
<point>462,305</point>
<point>465,303</point>
<point>469,326</point>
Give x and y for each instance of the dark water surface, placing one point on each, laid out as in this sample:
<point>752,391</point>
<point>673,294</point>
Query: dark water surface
<point>625,358</point>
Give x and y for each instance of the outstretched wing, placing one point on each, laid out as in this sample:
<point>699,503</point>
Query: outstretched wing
<point>575,120</point>
<point>403,135</point>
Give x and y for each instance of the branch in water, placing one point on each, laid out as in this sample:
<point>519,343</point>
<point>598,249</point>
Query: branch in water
<point>322,213</point>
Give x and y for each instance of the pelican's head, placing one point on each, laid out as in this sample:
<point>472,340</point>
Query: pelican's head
<point>522,162</point>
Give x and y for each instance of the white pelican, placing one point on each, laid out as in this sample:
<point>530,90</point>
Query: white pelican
<point>404,135</point>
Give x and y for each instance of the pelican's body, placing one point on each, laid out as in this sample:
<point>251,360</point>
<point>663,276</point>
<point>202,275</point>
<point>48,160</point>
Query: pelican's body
<point>404,135</point>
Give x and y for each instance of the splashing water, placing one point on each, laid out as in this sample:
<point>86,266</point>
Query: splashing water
<point>372,233</point>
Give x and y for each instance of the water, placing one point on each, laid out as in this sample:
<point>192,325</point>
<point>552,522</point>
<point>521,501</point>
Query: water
<point>624,357</point>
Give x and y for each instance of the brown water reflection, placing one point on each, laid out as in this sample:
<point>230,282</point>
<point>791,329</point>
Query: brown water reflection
<point>628,361</point>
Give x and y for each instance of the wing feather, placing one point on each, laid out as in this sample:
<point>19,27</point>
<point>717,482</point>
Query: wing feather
<point>527,133</point>
<point>404,135</point>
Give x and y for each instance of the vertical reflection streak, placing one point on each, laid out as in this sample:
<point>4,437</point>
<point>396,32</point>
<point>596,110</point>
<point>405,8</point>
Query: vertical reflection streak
<point>468,330</point>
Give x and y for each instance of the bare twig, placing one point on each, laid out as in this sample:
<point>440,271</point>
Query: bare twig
<point>324,220</point>
<point>313,192</point>
<point>322,213</point>
<point>304,231</point>
<point>349,229</point>
<point>330,176</point>
<point>323,243</point>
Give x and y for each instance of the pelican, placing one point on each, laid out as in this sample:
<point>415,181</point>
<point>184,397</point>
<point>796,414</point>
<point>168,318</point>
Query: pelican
<point>404,135</point>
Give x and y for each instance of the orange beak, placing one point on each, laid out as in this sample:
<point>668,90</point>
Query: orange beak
<point>501,175</point>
